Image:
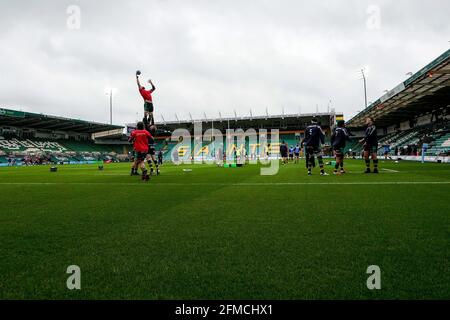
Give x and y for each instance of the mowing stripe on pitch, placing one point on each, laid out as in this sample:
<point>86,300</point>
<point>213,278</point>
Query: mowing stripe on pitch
<point>239,184</point>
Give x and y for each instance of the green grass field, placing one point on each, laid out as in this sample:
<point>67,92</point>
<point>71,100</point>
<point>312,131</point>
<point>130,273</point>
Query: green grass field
<point>218,233</point>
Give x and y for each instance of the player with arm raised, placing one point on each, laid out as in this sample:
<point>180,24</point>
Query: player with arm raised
<point>147,96</point>
<point>370,141</point>
<point>339,139</point>
<point>314,137</point>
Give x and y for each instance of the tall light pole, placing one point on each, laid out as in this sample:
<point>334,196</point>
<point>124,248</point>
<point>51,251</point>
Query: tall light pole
<point>364,72</point>
<point>110,92</point>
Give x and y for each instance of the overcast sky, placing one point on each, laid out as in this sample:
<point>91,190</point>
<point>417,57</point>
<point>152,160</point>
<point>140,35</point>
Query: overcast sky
<point>211,55</point>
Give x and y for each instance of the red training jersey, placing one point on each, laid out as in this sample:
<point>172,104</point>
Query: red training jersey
<point>146,94</point>
<point>140,140</point>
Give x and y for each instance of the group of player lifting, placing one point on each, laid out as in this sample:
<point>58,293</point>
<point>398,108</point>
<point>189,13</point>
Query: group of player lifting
<point>143,137</point>
<point>314,138</point>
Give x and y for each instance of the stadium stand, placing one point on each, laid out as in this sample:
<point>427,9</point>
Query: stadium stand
<point>414,114</point>
<point>29,138</point>
<point>414,139</point>
<point>440,146</point>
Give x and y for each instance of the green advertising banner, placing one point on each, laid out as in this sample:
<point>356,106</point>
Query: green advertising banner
<point>12,113</point>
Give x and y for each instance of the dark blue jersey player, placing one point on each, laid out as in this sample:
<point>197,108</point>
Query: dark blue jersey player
<point>314,137</point>
<point>339,139</point>
<point>370,142</point>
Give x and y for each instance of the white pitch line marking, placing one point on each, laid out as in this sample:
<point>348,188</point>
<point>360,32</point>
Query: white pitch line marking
<point>390,170</point>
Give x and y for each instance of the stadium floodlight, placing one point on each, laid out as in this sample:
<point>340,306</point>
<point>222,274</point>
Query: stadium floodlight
<point>364,72</point>
<point>110,92</point>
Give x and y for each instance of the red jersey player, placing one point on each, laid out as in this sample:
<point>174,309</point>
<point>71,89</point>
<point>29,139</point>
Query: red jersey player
<point>140,139</point>
<point>147,96</point>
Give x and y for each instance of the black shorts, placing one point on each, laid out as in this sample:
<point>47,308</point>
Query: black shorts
<point>140,156</point>
<point>297,154</point>
<point>370,148</point>
<point>338,151</point>
<point>148,106</point>
<point>151,150</point>
<point>313,150</point>
<point>284,155</point>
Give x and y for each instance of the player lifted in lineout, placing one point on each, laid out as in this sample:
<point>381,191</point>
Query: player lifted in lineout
<point>147,96</point>
<point>140,139</point>
<point>151,155</point>
<point>339,139</point>
<point>370,141</point>
<point>314,137</point>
